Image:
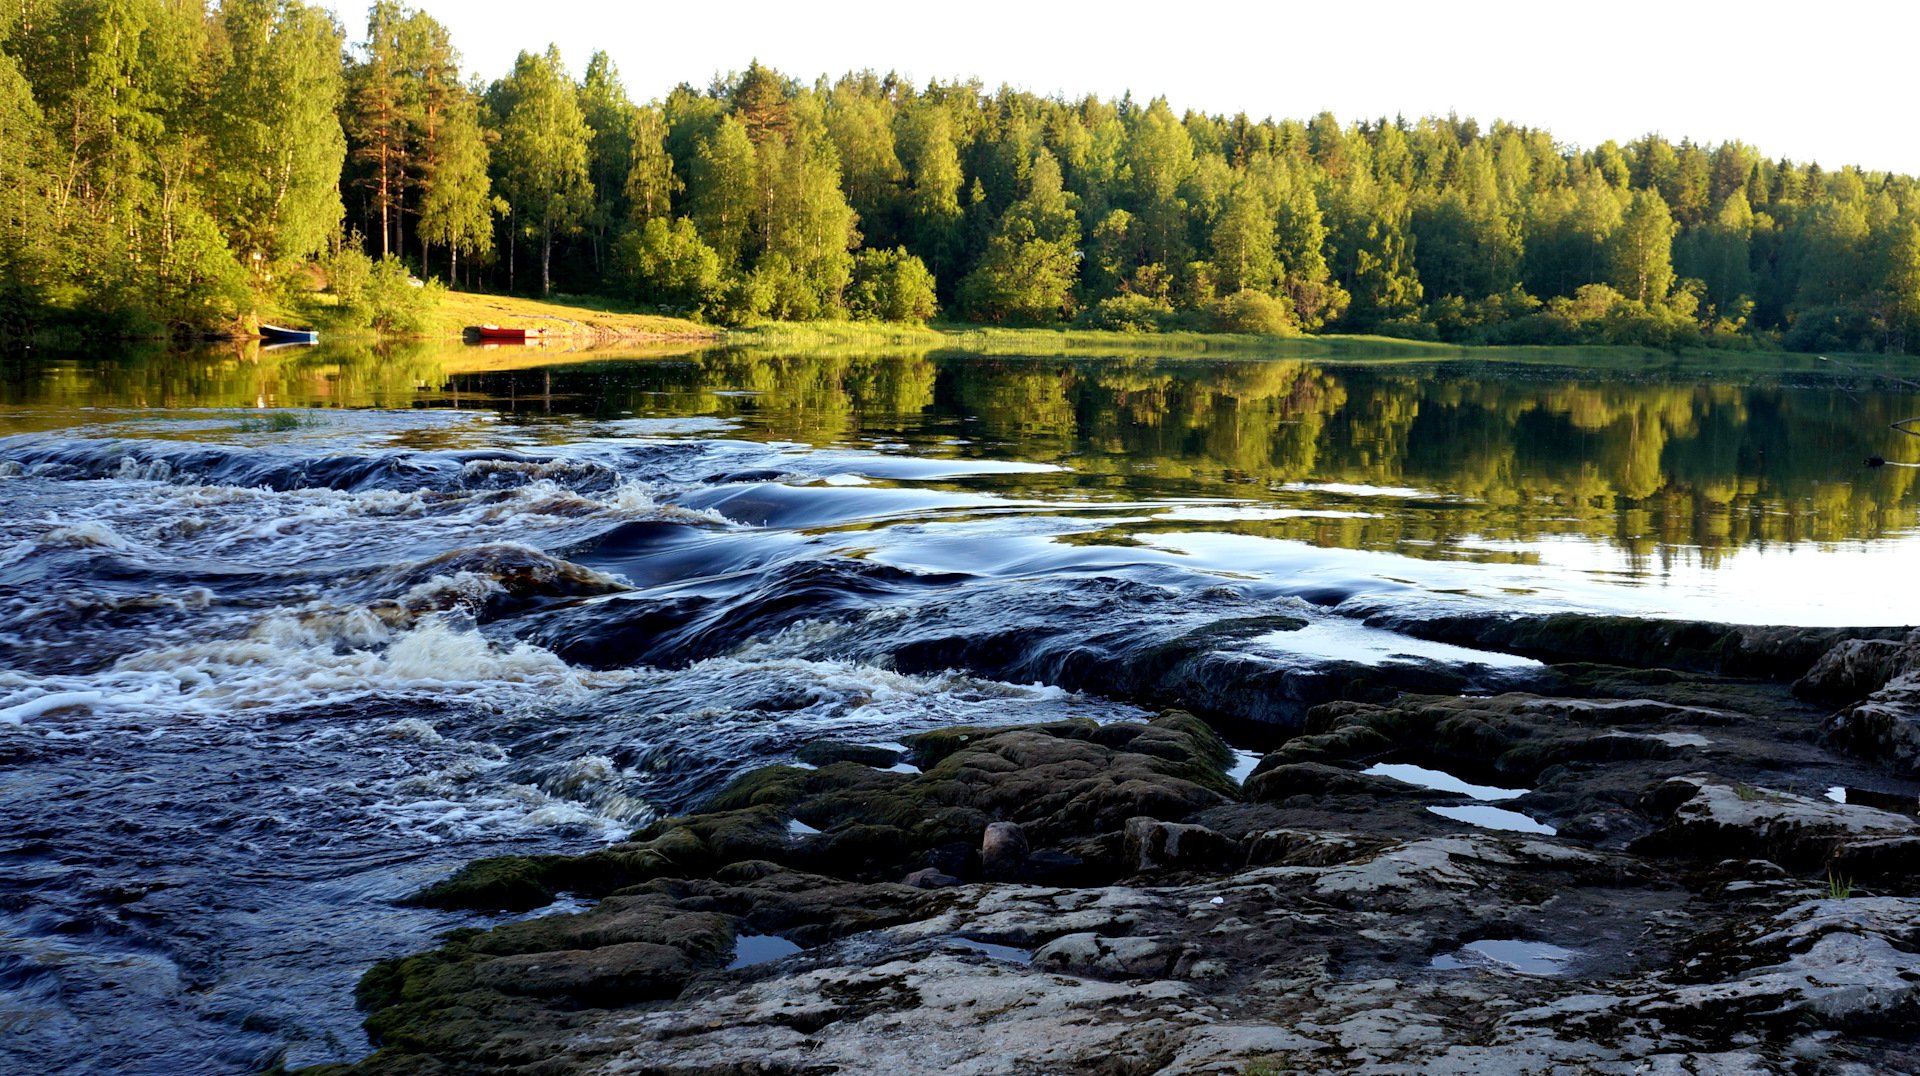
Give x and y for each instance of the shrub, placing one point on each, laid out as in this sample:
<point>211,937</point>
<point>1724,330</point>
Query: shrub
<point>891,285</point>
<point>383,295</point>
<point>1249,311</point>
<point>1127,314</point>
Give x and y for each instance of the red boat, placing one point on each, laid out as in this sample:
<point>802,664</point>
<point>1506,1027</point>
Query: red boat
<point>496,332</point>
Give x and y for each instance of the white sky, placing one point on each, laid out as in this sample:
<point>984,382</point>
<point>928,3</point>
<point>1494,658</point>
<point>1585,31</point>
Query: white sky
<point>1830,81</point>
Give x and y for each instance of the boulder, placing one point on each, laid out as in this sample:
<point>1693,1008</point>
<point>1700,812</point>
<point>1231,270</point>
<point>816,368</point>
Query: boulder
<point>1885,727</point>
<point>1710,820</point>
<point>1155,845</point>
<point>1003,850</point>
<point>1856,668</point>
<point>929,878</point>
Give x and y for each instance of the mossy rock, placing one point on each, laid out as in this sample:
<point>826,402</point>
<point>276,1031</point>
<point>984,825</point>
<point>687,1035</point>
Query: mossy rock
<point>828,752</point>
<point>507,883</point>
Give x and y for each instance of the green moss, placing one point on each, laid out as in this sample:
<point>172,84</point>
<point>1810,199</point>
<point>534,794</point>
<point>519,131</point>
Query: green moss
<point>827,752</point>
<point>769,786</point>
<point>507,883</point>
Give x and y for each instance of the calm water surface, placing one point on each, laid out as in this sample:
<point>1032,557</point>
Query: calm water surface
<point>285,635</point>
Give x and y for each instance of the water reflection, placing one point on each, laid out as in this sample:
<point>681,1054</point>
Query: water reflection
<point>1479,461</point>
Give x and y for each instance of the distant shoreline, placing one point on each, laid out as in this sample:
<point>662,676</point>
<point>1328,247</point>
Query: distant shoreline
<point>597,324</point>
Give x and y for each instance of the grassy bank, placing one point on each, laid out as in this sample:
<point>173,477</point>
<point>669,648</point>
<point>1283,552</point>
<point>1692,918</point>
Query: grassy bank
<point>1097,343</point>
<point>576,316</point>
<point>991,341</point>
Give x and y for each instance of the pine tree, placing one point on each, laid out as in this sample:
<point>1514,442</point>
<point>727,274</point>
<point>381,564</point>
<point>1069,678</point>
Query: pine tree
<point>383,117</point>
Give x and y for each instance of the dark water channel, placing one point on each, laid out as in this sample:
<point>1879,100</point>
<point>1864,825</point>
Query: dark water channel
<point>285,636</point>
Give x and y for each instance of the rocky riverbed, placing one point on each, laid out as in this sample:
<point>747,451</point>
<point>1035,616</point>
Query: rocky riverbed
<point>1667,848</point>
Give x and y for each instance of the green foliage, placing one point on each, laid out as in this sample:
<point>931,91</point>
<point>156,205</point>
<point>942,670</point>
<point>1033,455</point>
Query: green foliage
<point>541,161</point>
<point>275,139</point>
<point>274,422</point>
<point>651,183</point>
<point>891,285</point>
<point>457,209</point>
<point>723,174</point>
<point>1127,314</point>
<point>195,283</point>
<point>805,226</point>
<point>1640,251</point>
<point>1249,311</point>
<point>382,294</point>
<point>1838,887</point>
<point>1028,272</point>
<point>166,159</point>
<point>668,265</point>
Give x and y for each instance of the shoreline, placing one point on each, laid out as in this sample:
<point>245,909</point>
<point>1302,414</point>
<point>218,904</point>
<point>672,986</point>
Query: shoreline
<point>598,324</point>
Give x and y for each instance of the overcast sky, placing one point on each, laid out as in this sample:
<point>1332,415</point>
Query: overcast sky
<point>1828,81</point>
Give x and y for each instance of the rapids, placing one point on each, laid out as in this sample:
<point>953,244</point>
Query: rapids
<point>261,677</point>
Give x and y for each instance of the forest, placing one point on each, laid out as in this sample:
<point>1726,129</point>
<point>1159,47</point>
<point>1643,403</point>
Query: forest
<point>178,166</point>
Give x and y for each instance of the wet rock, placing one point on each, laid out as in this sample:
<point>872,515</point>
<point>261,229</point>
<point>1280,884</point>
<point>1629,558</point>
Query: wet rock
<point>1856,668</point>
<point>1155,845</point>
<point>1420,873</point>
<point>827,752</point>
<point>1888,863</point>
<point>1287,780</point>
<point>1003,850</point>
<point>1709,819</point>
<point>625,972</point>
<point>930,878</point>
<point>507,883</point>
<point>1844,964</point>
<point>1303,848</point>
<point>1884,728</point>
<point>1185,927</point>
<point>1091,954</point>
<point>1696,646</point>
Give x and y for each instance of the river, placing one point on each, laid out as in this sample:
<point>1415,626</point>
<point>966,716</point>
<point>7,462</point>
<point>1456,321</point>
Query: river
<point>286,635</point>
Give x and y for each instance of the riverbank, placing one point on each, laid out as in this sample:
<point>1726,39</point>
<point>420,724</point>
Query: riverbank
<point>869,338</point>
<point>577,319</point>
<point>583,323</point>
<point>1649,848</point>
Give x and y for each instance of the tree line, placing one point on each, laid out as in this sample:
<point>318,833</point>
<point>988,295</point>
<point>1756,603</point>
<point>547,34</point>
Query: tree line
<point>171,162</point>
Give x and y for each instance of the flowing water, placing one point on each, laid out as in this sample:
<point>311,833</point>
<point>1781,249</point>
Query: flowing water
<point>285,636</point>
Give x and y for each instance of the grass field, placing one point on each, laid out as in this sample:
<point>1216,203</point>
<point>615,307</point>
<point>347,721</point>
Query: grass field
<point>570,316</point>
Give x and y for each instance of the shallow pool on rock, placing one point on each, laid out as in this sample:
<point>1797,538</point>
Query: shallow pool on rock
<point>1485,817</point>
<point>1440,781</point>
<point>1508,954</point>
<point>751,949</point>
